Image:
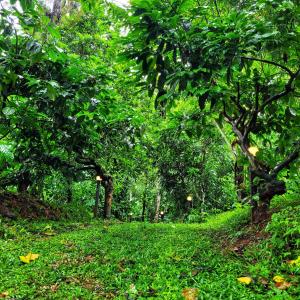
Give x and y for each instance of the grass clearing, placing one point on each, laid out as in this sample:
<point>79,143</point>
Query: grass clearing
<point>129,261</point>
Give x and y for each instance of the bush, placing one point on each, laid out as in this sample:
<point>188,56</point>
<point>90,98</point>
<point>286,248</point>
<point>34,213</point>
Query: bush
<point>196,217</point>
<point>285,230</point>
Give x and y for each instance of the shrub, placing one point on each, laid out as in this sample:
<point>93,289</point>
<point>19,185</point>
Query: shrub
<point>285,231</point>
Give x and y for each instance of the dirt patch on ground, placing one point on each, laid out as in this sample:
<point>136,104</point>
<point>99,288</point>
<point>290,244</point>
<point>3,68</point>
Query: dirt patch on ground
<point>24,206</point>
<point>252,234</point>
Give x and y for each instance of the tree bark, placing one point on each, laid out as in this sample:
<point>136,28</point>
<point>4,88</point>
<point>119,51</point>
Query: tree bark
<point>157,209</point>
<point>24,182</point>
<point>69,189</point>
<point>96,207</point>
<point>56,11</point>
<point>239,180</point>
<point>266,191</point>
<point>108,187</point>
<point>144,209</point>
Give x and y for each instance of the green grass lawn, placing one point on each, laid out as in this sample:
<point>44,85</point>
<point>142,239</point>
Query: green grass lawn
<point>127,261</point>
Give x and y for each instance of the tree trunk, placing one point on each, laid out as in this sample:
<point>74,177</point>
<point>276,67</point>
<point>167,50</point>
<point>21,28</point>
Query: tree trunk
<point>56,11</point>
<point>203,199</point>
<point>144,209</point>
<point>24,182</point>
<point>266,191</point>
<point>239,181</point>
<point>108,187</point>
<point>23,186</point>
<point>157,209</point>
<point>96,207</point>
<point>69,190</point>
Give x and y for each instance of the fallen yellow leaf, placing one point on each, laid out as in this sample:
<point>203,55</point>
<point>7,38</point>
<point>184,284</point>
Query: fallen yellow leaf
<point>190,293</point>
<point>253,150</point>
<point>278,279</point>
<point>29,257</point>
<point>34,256</point>
<point>294,261</point>
<point>25,259</point>
<point>245,280</point>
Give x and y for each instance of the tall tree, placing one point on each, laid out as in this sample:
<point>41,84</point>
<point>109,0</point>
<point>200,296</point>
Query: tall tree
<point>241,62</point>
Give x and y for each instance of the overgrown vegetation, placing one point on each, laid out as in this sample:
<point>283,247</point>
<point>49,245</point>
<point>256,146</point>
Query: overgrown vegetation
<point>117,114</point>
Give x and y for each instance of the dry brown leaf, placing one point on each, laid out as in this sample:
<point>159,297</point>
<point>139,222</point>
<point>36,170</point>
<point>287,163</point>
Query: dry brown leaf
<point>54,287</point>
<point>283,285</point>
<point>190,293</point>
<point>89,258</point>
<point>263,281</point>
<point>4,295</point>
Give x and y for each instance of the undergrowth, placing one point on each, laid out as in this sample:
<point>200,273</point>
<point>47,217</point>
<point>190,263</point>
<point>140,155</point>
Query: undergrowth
<point>102,260</point>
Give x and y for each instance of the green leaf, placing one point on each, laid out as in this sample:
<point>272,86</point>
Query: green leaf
<point>8,111</point>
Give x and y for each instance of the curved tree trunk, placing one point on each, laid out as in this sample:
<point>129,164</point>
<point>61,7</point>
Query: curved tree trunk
<point>266,191</point>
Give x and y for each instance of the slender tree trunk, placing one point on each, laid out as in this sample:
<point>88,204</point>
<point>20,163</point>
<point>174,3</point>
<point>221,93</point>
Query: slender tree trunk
<point>203,199</point>
<point>144,209</point>
<point>239,180</point>
<point>69,189</point>
<point>108,187</point>
<point>157,209</point>
<point>96,207</point>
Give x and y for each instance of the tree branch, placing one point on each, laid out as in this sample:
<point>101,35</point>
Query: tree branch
<point>254,112</point>
<point>229,119</point>
<point>217,8</point>
<point>288,89</point>
<point>285,164</point>
<point>270,63</point>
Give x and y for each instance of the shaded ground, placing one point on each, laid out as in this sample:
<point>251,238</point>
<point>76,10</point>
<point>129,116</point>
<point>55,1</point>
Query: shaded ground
<point>15,206</point>
<point>130,261</point>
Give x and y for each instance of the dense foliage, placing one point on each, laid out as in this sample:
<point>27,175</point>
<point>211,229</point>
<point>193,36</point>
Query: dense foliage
<point>175,111</point>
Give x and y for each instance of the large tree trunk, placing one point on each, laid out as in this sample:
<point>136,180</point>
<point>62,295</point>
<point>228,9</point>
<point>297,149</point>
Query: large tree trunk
<point>108,187</point>
<point>56,11</point>
<point>266,190</point>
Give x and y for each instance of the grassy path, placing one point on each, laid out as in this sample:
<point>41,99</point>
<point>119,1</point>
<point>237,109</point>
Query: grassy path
<point>124,261</point>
